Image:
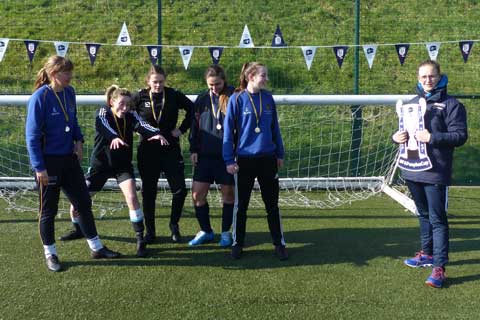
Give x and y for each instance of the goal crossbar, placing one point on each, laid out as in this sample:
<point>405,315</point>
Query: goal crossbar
<point>21,100</point>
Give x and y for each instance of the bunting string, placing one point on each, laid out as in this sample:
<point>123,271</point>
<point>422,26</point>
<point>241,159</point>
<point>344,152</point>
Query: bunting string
<point>278,42</point>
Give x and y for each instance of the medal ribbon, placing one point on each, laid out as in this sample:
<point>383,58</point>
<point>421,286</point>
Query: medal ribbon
<point>257,115</point>
<point>217,114</point>
<point>153,108</point>
<point>118,127</point>
<point>64,108</point>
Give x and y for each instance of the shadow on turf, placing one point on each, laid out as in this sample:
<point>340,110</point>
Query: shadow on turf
<point>357,246</point>
<point>460,280</point>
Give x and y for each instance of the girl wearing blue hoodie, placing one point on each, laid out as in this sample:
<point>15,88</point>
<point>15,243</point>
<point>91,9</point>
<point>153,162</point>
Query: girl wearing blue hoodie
<point>253,148</point>
<point>55,146</point>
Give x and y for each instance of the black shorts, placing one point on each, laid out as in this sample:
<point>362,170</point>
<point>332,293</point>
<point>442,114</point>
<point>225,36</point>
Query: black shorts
<point>209,169</point>
<point>97,177</point>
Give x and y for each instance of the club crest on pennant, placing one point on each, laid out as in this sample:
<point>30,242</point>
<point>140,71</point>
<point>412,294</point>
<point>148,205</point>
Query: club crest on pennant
<point>413,154</point>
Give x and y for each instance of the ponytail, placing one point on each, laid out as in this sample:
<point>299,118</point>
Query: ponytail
<point>54,64</point>
<point>247,69</point>
<point>243,81</point>
<point>114,91</point>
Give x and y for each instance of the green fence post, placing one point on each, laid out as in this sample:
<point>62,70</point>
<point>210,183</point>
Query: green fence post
<point>159,30</point>
<point>356,110</point>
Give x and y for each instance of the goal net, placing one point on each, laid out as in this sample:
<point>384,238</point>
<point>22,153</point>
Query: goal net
<point>338,150</point>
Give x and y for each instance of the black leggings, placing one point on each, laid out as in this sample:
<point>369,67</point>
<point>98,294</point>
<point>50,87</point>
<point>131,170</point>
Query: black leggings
<point>64,172</point>
<point>152,160</point>
<point>265,170</point>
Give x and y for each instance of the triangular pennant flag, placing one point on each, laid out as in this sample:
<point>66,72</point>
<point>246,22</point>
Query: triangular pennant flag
<point>3,47</point>
<point>61,48</point>
<point>370,50</point>
<point>402,51</point>
<point>186,53</point>
<point>154,53</point>
<point>465,48</point>
<point>216,53</point>
<point>433,48</point>
<point>124,37</point>
<point>277,40</point>
<point>31,48</point>
<point>92,49</point>
<point>340,53</point>
<point>246,40</point>
<point>309,54</point>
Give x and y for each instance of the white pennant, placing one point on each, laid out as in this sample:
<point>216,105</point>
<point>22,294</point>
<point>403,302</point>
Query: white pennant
<point>370,50</point>
<point>61,48</point>
<point>433,48</point>
<point>309,54</point>
<point>246,40</point>
<point>186,53</point>
<point>124,37</point>
<point>3,47</point>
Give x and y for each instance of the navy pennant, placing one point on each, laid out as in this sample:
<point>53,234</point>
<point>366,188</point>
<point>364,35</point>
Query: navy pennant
<point>340,53</point>
<point>31,48</point>
<point>277,40</point>
<point>154,53</point>
<point>402,50</point>
<point>216,53</point>
<point>92,49</point>
<point>465,48</point>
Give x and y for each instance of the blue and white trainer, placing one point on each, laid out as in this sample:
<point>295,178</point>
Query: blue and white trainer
<point>226,239</point>
<point>437,278</point>
<point>201,237</point>
<point>421,260</point>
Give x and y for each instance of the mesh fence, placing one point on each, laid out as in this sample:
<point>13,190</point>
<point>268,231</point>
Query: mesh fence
<point>220,23</point>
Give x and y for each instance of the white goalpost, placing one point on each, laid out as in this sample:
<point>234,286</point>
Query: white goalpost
<point>338,150</point>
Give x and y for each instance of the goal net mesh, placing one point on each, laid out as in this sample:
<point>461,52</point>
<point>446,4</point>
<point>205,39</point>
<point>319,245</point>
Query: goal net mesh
<point>335,154</point>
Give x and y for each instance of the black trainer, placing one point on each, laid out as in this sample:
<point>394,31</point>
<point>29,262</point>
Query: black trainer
<point>73,234</point>
<point>176,237</point>
<point>53,264</point>
<point>237,252</point>
<point>281,252</point>
<point>105,253</point>
<point>141,249</point>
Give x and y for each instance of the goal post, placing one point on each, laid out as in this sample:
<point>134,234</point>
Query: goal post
<point>329,160</point>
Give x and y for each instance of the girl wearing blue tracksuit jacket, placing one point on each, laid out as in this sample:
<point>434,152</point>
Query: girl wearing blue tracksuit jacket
<point>54,143</point>
<point>445,128</point>
<point>112,153</point>
<point>206,143</point>
<point>253,148</point>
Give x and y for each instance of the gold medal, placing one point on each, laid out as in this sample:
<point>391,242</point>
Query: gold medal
<point>219,126</point>
<point>67,129</point>
<point>259,114</point>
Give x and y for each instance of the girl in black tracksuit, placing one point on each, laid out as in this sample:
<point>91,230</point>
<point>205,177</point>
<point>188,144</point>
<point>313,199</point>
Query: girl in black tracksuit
<point>206,139</point>
<point>112,153</point>
<point>159,106</point>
